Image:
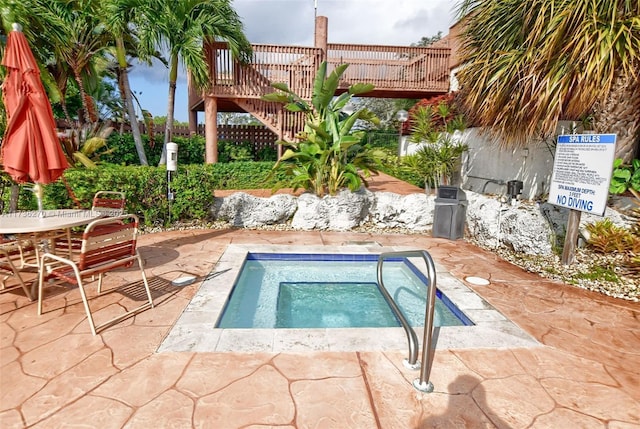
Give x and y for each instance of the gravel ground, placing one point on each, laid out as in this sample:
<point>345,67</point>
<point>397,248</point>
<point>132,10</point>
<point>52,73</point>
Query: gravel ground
<point>605,274</point>
<point>590,270</point>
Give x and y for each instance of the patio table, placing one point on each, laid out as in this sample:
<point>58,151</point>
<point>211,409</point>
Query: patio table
<point>39,221</point>
<point>39,224</point>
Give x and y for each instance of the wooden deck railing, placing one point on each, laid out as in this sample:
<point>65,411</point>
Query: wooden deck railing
<point>294,66</point>
<point>386,67</point>
<point>393,67</point>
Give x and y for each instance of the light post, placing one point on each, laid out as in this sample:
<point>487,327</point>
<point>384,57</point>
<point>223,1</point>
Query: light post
<point>402,116</point>
<point>172,168</point>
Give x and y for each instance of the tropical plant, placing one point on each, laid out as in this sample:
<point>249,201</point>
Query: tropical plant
<point>55,74</point>
<point>84,146</point>
<point>182,27</point>
<point>328,155</point>
<point>442,104</point>
<point>530,63</point>
<point>78,38</point>
<point>436,163</point>
<point>433,125</point>
<point>626,177</point>
<point>605,237</point>
<point>78,42</point>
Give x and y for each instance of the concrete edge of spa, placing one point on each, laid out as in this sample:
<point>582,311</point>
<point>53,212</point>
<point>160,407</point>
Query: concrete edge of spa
<point>195,330</point>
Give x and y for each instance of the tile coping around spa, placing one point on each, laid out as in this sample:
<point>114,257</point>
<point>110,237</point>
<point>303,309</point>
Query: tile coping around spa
<point>195,330</point>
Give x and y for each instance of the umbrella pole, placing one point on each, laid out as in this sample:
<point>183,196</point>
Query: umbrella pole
<point>37,189</point>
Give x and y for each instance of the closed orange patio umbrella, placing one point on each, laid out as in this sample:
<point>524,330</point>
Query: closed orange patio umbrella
<point>31,150</point>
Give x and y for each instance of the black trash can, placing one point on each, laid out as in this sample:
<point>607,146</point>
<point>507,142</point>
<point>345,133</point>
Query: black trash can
<point>450,213</point>
<point>514,188</point>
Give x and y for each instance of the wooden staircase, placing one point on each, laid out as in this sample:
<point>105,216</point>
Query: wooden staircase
<point>283,123</point>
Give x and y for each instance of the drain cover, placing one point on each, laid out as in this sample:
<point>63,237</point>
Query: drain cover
<point>183,281</point>
<point>478,281</point>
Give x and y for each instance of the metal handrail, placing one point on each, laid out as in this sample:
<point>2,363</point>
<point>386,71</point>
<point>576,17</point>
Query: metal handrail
<point>422,384</point>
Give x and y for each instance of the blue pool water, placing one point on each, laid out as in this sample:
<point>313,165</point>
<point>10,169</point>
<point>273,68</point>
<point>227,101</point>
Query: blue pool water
<point>329,291</point>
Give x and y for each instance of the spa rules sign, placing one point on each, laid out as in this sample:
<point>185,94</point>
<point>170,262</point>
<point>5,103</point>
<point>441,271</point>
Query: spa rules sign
<point>582,172</point>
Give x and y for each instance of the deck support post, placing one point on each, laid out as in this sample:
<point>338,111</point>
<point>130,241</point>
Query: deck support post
<point>193,122</point>
<point>211,129</point>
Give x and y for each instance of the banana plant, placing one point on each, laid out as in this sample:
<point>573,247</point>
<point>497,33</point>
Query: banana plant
<point>84,146</point>
<point>329,154</point>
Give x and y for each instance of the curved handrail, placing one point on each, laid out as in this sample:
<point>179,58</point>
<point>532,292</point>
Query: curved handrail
<point>423,384</point>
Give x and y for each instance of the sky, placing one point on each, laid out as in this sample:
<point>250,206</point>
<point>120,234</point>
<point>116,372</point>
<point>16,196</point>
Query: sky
<point>291,22</point>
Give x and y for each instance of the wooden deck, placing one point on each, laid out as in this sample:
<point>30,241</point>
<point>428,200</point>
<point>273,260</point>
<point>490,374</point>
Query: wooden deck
<point>395,72</point>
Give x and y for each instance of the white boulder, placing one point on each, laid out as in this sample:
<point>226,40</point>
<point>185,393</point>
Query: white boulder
<point>242,209</point>
<point>341,212</point>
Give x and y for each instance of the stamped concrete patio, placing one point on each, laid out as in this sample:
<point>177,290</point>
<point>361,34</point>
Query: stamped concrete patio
<point>585,372</point>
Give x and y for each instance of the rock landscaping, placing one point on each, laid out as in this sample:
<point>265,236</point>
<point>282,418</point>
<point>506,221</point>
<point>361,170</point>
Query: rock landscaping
<point>526,233</point>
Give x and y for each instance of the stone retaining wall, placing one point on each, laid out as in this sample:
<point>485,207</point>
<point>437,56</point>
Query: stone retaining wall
<point>527,227</point>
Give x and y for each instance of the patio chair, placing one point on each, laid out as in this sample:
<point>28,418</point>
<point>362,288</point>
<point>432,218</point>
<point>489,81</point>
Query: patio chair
<point>15,256</point>
<point>107,244</point>
<point>110,203</point>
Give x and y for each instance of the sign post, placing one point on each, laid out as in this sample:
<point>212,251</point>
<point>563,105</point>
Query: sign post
<point>581,176</point>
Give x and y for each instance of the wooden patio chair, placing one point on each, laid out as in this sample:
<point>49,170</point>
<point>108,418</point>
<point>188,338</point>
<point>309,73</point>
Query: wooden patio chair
<point>107,244</point>
<point>16,256</point>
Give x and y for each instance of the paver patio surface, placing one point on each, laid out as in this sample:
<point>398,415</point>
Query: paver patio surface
<point>55,374</point>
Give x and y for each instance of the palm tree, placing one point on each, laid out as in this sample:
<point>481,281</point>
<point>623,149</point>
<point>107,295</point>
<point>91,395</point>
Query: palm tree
<point>120,13</point>
<point>54,74</point>
<point>182,28</point>
<point>530,63</point>
<point>74,39</point>
<point>78,37</point>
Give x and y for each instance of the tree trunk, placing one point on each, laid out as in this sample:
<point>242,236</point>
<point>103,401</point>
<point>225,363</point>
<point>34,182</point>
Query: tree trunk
<point>133,120</point>
<point>173,76</point>
<point>619,114</point>
<point>87,102</point>
<point>60,77</point>
<point>128,101</point>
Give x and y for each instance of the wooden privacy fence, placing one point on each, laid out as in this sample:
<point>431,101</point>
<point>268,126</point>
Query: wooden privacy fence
<point>259,136</point>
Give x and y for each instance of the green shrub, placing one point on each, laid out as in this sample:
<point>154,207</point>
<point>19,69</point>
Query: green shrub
<point>191,150</point>
<point>625,177</point>
<point>605,237</point>
<point>267,154</point>
<point>383,139</point>
<point>145,188</point>
<point>229,151</point>
<point>122,150</point>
